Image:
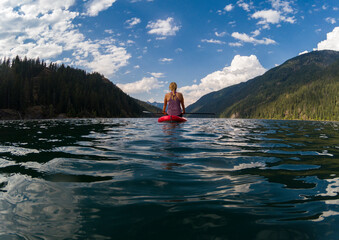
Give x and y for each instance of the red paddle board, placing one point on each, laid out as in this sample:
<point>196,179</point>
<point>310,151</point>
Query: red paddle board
<point>171,118</point>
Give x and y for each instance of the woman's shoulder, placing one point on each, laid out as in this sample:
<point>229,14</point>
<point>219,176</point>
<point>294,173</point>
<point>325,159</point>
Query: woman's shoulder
<point>167,95</point>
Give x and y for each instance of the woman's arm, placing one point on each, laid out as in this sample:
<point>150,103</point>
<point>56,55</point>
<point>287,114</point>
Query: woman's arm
<point>165,105</point>
<point>182,104</point>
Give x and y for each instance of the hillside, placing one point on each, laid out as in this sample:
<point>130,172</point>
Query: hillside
<point>31,89</point>
<point>305,87</point>
<point>157,104</point>
<point>149,108</point>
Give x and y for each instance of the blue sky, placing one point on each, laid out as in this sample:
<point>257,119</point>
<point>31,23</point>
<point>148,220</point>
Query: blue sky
<point>143,45</point>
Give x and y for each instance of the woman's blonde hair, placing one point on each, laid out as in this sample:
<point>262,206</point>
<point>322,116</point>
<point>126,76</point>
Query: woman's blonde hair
<point>173,86</point>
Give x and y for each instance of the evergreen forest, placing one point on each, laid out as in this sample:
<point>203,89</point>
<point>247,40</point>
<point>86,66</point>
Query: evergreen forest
<point>303,88</point>
<point>30,88</point>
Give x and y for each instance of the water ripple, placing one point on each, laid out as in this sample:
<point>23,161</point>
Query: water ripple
<point>205,178</point>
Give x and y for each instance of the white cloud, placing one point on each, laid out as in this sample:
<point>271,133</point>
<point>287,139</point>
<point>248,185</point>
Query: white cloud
<point>331,20</point>
<point>228,8</point>
<point>246,38</point>
<point>142,86</point>
<point>272,17</point>
<point>34,8</point>
<point>256,33</point>
<point>267,16</point>
<point>284,6</point>
<point>304,52</point>
<point>96,6</point>
<point>288,19</point>
<point>178,50</point>
<point>109,31</point>
<point>157,75</point>
<point>242,69</point>
<point>214,41</point>
<point>109,63</point>
<point>130,42</point>
<point>30,30</point>
<point>166,59</point>
<point>132,22</point>
<point>220,34</point>
<point>45,29</point>
<point>161,38</point>
<point>235,44</point>
<point>163,28</point>
<point>244,5</point>
<point>331,42</point>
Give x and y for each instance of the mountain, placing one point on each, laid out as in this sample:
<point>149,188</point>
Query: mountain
<point>149,108</point>
<point>156,104</point>
<point>31,89</point>
<point>305,87</point>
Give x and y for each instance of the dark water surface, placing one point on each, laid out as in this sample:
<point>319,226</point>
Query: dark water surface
<point>139,179</point>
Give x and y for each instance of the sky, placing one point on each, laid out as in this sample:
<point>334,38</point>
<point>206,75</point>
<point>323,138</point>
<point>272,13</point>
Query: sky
<point>143,45</point>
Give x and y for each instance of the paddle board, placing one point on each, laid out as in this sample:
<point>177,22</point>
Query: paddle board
<point>171,118</point>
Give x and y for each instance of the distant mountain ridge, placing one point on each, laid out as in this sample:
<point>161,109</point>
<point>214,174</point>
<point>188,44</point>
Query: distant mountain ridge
<point>156,104</point>
<point>305,87</point>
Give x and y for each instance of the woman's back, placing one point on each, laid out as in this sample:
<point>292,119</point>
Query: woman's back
<point>174,104</point>
<point>174,100</point>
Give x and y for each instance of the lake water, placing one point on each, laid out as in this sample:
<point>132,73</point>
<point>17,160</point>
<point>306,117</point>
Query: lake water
<point>140,179</point>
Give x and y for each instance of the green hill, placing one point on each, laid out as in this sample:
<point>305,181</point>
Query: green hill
<point>305,87</point>
<point>31,89</point>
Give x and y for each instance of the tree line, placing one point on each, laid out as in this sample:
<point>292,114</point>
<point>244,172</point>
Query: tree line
<point>310,93</point>
<point>28,85</point>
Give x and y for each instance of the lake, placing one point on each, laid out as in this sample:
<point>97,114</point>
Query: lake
<point>140,179</point>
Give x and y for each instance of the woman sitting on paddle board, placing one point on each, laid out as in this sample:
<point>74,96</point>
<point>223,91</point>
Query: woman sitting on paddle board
<point>174,100</point>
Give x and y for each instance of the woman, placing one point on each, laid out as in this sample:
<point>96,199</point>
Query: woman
<point>174,100</point>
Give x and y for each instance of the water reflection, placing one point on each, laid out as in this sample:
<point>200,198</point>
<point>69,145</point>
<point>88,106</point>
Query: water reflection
<point>36,208</point>
<point>171,129</point>
<point>172,144</point>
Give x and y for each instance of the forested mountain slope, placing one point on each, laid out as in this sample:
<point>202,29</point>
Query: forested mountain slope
<point>305,87</point>
<point>31,89</point>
